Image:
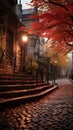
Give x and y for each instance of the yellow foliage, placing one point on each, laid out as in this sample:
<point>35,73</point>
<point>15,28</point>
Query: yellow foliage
<point>60,59</point>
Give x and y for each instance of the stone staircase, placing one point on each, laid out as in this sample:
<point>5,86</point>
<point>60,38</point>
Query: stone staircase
<point>21,88</point>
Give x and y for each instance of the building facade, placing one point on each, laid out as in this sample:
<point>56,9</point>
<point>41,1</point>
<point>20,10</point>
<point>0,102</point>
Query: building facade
<point>8,32</point>
<point>26,21</point>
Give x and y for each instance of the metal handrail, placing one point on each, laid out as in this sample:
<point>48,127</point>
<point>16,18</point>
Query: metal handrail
<point>1,58</point>
<point>9,56</point>
<point>11,59</point>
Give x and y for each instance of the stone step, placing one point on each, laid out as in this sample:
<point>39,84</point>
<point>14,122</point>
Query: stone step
<point>20,99</point>
<point>18,79</point>
<point>23,92</point>
<point>16,82</point>
<point>20,86</point>
<point>16,76</point>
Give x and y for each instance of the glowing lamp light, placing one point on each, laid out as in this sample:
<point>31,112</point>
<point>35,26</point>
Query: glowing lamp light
<point>25,38</point>
<point>55,62</point>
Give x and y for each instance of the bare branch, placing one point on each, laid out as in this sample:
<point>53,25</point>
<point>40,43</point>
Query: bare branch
<point>55,3</point>
<point>69,44</point>
<point>69,32</point>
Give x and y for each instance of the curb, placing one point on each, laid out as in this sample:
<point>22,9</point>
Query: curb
<point>71,80</point>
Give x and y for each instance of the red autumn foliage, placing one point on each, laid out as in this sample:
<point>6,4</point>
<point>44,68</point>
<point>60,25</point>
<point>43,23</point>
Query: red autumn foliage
<point>24,30</point>
<point>54,20</point>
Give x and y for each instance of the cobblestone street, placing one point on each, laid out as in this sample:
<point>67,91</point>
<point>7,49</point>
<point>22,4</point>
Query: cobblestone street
<point>36,64</point>
<point>52,112</point>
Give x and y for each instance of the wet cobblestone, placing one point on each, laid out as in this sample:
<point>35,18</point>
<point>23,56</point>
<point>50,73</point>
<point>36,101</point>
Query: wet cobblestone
<point>52,112</point>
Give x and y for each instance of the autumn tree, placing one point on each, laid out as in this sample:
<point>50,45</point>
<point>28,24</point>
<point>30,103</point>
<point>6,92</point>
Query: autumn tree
<point>54,20</point>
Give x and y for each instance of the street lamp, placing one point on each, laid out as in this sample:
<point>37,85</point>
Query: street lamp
<point>24,40</point>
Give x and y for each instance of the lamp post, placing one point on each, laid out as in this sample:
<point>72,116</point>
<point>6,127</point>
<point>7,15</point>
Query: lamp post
<point>24,40</point>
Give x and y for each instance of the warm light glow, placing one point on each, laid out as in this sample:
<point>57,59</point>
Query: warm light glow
<point>55,62</point>
<point>25,38</point>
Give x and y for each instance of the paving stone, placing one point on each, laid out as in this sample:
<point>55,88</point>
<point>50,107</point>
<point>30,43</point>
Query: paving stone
<point>52,112</point>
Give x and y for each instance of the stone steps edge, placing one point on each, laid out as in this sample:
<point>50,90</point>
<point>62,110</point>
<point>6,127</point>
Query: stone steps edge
<point>26,98</point>
<point>19,92</point>
<point>4,88</point>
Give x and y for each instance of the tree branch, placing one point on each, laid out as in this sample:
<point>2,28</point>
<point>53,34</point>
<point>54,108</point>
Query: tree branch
<point>69,44</point>
<point>57,4</point>
<point>69,32</point>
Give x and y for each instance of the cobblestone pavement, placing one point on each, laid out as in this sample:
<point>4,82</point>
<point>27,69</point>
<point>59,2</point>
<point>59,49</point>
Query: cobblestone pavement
<point>52,112</point>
